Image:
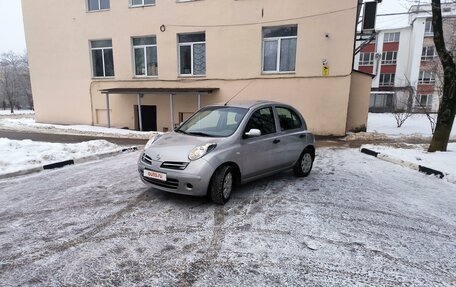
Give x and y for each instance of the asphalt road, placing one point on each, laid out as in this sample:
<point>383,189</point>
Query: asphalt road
<point>355,221</point>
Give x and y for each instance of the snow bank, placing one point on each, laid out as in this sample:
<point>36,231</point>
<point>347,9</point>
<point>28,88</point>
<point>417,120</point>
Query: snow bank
<point>442,161</point>
<point>383,126</point>
<point>7,112</point>
<point>29,124</point>
<point>19,155</point>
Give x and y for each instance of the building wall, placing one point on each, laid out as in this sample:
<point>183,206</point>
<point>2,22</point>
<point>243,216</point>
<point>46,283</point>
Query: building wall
<point>403,59</point>
<point>58,34</point>
<point>359,102</point>
<point>416,50</point>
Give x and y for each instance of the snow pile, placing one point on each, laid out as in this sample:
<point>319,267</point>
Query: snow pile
<point>442,161</point>
<point>19,155</point>
<point>383,126</point>
<point>29,124</point>
<point>7,112</point>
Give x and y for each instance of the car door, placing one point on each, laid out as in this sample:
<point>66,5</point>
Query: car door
<point>260,153</point>
<point>292,135</point>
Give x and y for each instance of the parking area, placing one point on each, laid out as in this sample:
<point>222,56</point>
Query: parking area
<point>355,221</point>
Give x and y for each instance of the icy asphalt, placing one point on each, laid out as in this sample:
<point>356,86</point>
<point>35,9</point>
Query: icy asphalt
<point>355,221</point>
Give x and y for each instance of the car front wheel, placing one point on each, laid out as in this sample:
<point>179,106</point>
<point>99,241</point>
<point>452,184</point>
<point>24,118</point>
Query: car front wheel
<point>304,164</point>
<point>222,185</point>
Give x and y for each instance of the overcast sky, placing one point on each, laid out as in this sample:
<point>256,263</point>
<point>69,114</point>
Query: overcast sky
<point>12,27</point>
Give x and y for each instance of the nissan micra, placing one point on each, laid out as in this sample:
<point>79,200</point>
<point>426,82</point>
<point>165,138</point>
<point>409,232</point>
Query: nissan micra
<point>222,146</point>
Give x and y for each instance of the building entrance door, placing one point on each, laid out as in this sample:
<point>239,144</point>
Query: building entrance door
<point>149,118</point>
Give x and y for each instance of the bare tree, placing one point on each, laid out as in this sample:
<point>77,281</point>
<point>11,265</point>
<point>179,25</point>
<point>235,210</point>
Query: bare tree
<point>447,109</point>
<point>26,86</point>
<point>15,80</point>
<point>401,115</point>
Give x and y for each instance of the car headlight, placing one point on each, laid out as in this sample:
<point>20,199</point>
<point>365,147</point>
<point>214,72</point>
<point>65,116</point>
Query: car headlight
<point>200,151</point>
<point>151,141</point>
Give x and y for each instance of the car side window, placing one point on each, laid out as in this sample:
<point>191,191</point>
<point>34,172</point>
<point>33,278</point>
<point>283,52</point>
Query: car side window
<point>263,120</point>
<point>288,119</point>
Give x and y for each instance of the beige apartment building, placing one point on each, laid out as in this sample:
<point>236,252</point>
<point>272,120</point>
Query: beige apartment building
<point>96,61</point>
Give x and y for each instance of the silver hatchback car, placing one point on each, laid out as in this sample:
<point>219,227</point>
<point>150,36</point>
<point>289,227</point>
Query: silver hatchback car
<point>221,146</point>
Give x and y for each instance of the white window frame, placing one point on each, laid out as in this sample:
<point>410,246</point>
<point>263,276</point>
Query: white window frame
<point>141,5</point>
<point>279,51</point>
<point>99,5</point>
<point>429,99</point>
<point>191,44</point>
<point>366,63</point>
<point>421,79</point>
<point>425,54</point>
<point>393,61</point>
<point>391,37</point>
<point>144,47</point>
<point>103,59</point>
<point>430,31</point>
<point>389,83</point>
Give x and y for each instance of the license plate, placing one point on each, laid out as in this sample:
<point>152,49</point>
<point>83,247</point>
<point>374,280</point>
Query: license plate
<point>155,175</point>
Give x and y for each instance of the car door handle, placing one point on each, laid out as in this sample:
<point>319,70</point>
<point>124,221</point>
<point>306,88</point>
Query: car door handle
<point>302,136</point>
<point>276,141</point>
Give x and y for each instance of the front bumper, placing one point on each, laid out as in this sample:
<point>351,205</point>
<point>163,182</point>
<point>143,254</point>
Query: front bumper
<point>193,180</point>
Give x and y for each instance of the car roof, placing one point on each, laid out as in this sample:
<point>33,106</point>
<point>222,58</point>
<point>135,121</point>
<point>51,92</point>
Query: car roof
<point>248,104</point>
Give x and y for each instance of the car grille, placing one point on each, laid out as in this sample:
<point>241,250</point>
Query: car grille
<point>146,159</point>
<point>169,183</point>
<point>174,165</point>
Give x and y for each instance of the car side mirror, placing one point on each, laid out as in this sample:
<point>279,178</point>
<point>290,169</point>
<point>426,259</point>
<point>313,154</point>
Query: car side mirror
<point>253,133</point>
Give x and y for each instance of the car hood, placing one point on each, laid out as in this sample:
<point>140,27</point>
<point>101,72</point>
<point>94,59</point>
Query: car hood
<point>176,147</point>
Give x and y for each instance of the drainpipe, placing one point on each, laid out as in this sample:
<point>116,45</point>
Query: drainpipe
<point>108,116</point>
<point>171,106</point>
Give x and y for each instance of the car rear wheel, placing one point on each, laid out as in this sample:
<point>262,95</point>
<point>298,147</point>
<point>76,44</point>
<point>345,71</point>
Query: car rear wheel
<point>304,164</point>
<point>222,184</point>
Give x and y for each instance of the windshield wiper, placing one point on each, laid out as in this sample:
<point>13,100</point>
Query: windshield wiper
<point>200,134</point>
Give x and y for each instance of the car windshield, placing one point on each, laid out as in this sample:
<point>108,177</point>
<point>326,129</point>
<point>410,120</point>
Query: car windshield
<point>214,122</point>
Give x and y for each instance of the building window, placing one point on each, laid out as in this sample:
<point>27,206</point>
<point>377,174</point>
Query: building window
<point>102,58</point>
<point>392,37</point>
<point>139,3</point>
<point>381,102</point>
<point>145,55</point>
<point>366,59</point>
<point>428,53</point>
<point>389,58</point>
<point>98,5</point>
<point>279,49</point>
<point>423,101</point>
<point>428,29</point>
<point>426,77</point>
<point>192,54</point>
<point>386,80</point>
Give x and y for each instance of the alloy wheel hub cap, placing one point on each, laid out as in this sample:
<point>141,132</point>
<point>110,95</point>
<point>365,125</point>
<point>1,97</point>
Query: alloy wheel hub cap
<point>306,163</point>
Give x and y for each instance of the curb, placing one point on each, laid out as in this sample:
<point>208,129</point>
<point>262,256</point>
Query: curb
<point>414,166</point>
<point>67,162</point>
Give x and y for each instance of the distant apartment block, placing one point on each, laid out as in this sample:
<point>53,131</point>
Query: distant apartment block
<point>406,64</point>
<point>148,65</point>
